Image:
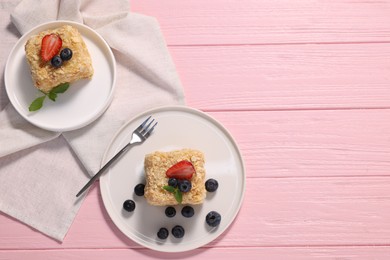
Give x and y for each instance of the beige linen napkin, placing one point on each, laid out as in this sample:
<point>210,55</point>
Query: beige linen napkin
<point>39,170</point>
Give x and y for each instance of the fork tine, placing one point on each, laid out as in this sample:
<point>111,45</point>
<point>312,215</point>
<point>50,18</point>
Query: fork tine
<point>150,130</point>
<point>145,129</point>
<point>141,126</point>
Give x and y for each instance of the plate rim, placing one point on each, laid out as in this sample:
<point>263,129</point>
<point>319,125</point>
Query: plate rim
<point>186,109</point>
<point>94,116</point>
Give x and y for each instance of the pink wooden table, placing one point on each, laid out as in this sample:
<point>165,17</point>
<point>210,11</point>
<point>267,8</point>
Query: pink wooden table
<point>304,88</point>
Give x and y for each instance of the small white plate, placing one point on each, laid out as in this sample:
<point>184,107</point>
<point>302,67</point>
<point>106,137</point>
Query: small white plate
<point>178,127</point>
<point>82,103</point>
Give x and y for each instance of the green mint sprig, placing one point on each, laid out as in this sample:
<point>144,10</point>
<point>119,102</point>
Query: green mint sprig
<point>176,192</point>
<point>52,95</point>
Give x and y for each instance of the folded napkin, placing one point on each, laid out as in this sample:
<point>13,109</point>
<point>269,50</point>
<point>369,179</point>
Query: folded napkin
<point>41,171</point>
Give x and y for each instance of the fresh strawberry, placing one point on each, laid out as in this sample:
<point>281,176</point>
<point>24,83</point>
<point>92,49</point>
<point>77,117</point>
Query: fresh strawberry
<point>51,45</point>
<point>182,170</point>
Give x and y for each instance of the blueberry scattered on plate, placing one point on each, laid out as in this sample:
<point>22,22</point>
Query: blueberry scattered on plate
<point>178,231</point>
<point>211,185</point>
<point>213,219</point>
<point>163,233</point>
<point>129,205</point>
<point>187,211</point>
<point>139,189</point>
<point>170,212</point>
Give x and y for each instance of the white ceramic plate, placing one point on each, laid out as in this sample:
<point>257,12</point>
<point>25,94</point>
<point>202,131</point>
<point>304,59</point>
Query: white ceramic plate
<point>82,103</point>
<point>178,127</point>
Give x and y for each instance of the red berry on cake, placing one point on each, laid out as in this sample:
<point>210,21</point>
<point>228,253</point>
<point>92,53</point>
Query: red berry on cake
<point>51,45</point>
<point>182,170</point>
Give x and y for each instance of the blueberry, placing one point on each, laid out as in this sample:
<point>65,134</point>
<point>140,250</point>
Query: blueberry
<point>187,211</point>
<point>56,61</point>
<point>129,205</point>
<point>162,233</point>
<point>170,212</point>
<point>139,189</point>
<point>172,182</point>
<point>213,218</point>
<point>185,186</point>
<point>66,54</point>
<point>211,185</point>
<point>178,231</point>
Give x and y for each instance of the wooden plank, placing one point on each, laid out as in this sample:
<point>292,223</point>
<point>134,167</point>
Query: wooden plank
<point>311,143</point>
<point>277,212</point>
<point>287,253</point>
<point>319,215</point>
<point>198,22</point>
<point>282,77</point>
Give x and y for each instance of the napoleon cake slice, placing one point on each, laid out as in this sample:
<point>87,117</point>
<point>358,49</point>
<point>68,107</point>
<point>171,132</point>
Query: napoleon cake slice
<point>160,164</point>
<point>49,67</point>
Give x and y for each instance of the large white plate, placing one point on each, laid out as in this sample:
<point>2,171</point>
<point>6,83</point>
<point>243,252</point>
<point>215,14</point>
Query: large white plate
<point>178,127</point>
<point>82,103</point>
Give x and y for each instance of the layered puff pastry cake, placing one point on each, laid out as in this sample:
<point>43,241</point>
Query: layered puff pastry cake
<point>184,167</point>
<point>58,56</point>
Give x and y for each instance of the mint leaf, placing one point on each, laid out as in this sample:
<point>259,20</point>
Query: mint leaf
<point>52,96</point>
<point>176,192</point>
<point>169,188</point>
<point>36,104</point>
<point>61,88</point>
<point>178,196</point>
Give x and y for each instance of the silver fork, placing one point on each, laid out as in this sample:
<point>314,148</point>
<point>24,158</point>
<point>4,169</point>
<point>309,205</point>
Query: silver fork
<point>138,137</point>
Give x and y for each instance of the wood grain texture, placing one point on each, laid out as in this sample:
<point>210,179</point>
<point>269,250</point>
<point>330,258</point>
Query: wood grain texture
<point>303,87</point>
<point>311,143</point>
<point>279,77</point>
<point>249,253</point>
<point>277,212</point>
<point>202,22</point>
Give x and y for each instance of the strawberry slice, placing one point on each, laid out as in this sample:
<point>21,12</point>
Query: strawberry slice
<point>51,45</point>
<point>182,170</point>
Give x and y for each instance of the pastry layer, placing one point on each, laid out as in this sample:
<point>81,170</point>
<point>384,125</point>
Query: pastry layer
<point>156,165</point>
<point>45,77</point>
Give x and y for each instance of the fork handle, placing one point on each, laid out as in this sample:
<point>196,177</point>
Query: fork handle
<point>104,168</point>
